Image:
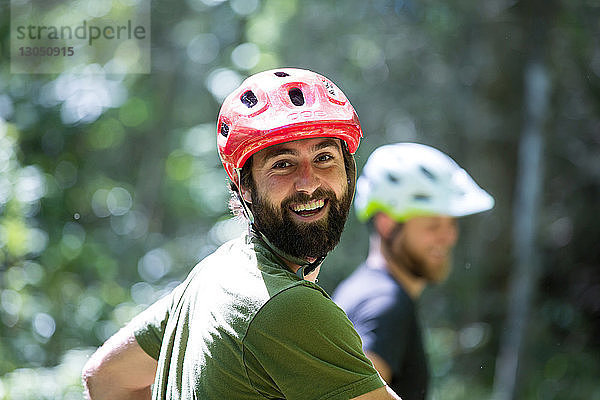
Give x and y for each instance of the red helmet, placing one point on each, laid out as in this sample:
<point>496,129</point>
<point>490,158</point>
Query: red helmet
<point>279,106</point>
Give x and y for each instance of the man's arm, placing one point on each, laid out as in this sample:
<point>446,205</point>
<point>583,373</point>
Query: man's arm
<point>384,369</point>
<point>120,369</point>
<point>383,393</point>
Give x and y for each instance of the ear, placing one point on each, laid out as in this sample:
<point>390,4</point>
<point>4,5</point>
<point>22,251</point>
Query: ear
<point>384,225</point>
<point>246,194</point>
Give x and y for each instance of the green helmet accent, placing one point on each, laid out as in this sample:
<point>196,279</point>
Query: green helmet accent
<point>405,180</point>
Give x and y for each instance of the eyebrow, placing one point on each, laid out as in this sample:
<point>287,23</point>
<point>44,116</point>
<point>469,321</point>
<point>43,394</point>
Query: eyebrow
<point>278,150</point>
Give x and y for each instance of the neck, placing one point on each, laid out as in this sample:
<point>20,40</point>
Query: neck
<point>294,267</point>
<point>379,255</point>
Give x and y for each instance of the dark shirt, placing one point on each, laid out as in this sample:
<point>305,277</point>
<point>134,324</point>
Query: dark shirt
<point>385,318</point>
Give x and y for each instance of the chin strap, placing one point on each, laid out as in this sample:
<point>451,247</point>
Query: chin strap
<point>245,207</point>
<point>309,268</point>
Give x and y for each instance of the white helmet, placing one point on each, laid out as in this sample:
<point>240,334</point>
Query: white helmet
<point>405,180</point>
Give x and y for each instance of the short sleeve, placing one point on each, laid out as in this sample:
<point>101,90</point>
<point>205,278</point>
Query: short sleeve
<point>149,326</point>
<point>303,346</point>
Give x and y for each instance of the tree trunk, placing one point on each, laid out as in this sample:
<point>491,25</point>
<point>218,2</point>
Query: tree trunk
<point>526,205</point>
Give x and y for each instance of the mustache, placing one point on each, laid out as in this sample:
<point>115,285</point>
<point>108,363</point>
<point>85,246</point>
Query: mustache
<point>300,197</point>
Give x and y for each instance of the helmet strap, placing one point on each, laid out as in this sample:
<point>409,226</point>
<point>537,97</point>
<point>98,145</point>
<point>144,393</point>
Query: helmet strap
<point>245,206</point>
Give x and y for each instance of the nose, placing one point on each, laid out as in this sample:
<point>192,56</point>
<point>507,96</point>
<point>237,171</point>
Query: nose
<point>307,180</point>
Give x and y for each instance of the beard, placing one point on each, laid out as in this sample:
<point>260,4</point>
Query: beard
<point>302,240</point>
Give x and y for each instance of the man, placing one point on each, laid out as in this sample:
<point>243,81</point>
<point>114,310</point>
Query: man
<point>249,322</point>
<point>411,194</point>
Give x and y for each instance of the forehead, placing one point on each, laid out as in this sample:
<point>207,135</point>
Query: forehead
<point>297,147</point>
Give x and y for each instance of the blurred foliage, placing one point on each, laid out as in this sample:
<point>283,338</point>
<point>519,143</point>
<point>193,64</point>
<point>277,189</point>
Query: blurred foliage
<point>111,188</point>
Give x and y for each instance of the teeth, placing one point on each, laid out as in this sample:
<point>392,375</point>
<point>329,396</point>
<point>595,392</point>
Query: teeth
<point>311,205</point>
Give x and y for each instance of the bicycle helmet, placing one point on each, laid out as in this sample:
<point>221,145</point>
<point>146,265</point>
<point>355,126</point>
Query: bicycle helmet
<point>405,180</point>
<point>282,105</point>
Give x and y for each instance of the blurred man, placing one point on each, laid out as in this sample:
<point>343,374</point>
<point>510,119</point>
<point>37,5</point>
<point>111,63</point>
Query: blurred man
<point>411,195</point>
<point>249,322</point>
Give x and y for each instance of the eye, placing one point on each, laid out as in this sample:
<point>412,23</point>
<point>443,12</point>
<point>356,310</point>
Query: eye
<point>324,158</point>
<point>281,164</point>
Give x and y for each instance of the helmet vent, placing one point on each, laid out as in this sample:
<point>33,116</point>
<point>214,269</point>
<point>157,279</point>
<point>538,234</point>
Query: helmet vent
<point>281,74</point>
<point>224,129</point>
<point>296,96</point>
<point>393,178</point>
<point>249,99</point>
<point>428,173</point>
<point>421,197</point>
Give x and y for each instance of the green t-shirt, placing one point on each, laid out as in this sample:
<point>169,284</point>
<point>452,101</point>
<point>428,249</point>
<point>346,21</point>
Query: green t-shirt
<point>242,326</point>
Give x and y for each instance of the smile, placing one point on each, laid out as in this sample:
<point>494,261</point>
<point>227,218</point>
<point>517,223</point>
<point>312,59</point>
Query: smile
<point>309,208</point>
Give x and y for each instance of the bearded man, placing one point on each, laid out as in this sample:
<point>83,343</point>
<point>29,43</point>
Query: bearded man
<point>250,322</point>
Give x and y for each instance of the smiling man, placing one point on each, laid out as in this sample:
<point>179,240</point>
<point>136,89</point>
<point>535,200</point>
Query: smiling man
<point>412,195</point>
<point>250,322</point>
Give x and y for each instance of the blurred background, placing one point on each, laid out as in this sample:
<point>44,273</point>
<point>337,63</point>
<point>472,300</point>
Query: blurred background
<point>111,188</point>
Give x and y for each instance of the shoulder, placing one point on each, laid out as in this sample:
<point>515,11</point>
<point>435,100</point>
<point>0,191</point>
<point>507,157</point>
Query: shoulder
<point>372,293</point>
<point>300,308</point>
<point>302,320</point>
<point>300,332</point>
<point>240,249</point>
<point>301,299</point>
<point>368,283</point>
<point>229,261</point>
